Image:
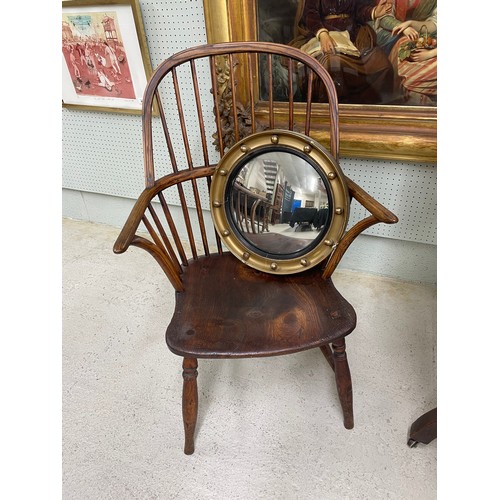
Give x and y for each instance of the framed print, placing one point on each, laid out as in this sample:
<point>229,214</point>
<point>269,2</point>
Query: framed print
<point>385,122</point>
<point>105,60</point>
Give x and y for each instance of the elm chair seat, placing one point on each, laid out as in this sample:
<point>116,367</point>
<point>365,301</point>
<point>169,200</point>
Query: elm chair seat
<point>242,312</point>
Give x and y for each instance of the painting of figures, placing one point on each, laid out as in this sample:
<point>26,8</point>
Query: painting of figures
<point>377,51</point>
<point>95,55</point>
<point>105,59</point>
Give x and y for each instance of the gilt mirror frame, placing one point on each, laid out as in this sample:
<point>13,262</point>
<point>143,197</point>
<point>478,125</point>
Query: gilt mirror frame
<point>391,132</point>
<point>327,168</point>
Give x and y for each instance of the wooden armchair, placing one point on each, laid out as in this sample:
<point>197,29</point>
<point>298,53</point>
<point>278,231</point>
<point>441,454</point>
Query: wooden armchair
<point>225,308</point>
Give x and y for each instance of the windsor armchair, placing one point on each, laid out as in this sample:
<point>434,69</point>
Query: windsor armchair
<point>235,296</point>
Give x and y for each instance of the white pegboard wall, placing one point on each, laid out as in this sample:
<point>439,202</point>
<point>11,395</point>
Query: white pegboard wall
<point>102,152</point>
<point>408,190</point>
<point>172,26</point>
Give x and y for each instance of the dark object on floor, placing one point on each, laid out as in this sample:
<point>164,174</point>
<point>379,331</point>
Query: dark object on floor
<point>424,429</point>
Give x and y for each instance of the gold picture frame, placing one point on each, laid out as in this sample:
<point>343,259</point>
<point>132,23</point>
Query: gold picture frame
<point>393,132</point>
<point>106,63</point>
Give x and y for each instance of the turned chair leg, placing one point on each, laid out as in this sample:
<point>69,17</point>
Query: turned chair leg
<point>343,379</point>
<point>189,402</point>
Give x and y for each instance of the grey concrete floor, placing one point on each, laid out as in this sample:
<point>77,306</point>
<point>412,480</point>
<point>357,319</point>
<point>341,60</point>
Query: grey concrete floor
<point>268,428</point>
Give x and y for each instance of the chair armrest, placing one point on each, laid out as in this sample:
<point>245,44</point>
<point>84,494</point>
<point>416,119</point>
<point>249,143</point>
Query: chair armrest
<point>127,234</point>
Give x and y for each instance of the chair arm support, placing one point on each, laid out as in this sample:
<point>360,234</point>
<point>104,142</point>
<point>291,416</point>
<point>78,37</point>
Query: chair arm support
<point>165,264</point>
<point>378,214</point>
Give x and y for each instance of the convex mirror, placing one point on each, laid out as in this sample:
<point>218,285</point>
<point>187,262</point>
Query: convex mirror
<point>279,201</point>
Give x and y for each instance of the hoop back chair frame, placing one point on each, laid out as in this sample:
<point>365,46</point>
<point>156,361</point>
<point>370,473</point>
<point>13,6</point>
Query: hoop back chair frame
<point>194,255</point>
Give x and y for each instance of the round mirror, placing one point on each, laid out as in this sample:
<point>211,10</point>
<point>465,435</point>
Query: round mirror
<point>279,201</point>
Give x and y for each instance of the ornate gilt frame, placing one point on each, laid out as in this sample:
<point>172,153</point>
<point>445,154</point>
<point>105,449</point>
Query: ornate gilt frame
<point>404,133</point>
